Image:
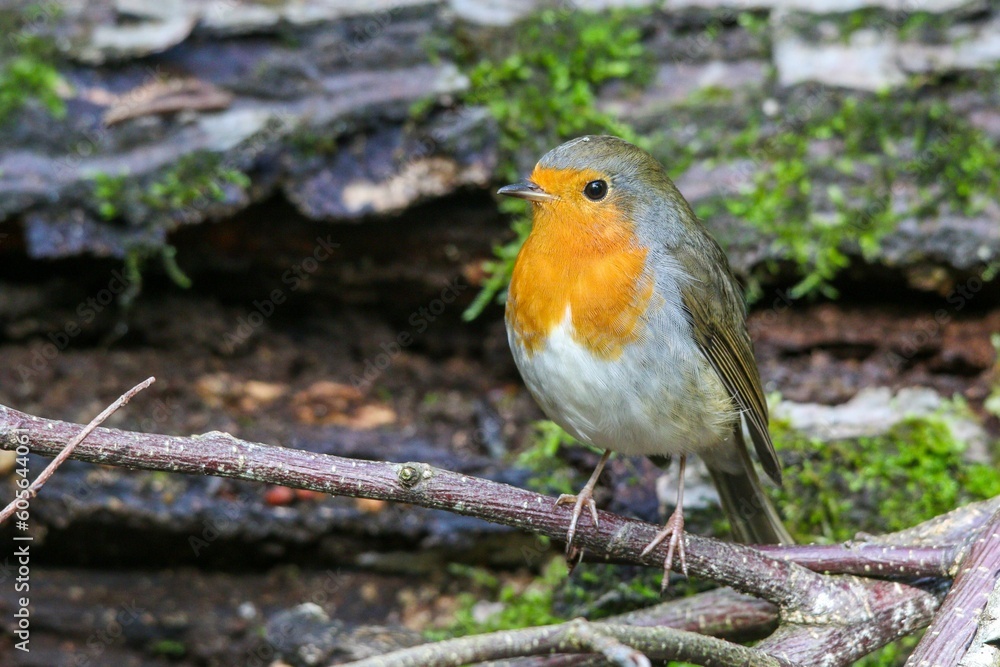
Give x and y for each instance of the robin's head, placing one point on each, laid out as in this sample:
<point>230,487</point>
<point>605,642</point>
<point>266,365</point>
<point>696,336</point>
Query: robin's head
<point>586,254</point>
<point>597,178</point>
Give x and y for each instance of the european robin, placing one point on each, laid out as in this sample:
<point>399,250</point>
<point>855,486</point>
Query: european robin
<point>629,329</point>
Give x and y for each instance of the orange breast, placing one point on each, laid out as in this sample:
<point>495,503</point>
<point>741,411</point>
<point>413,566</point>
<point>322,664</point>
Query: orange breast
<point>590,263</point>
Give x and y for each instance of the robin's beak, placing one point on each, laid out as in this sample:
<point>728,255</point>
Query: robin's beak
<point>526,190</point>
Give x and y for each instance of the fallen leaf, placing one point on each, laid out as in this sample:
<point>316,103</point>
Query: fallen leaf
<point>328,403</point>
<point>220,390</point>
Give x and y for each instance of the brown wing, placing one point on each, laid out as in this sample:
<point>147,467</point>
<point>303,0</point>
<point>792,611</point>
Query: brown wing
<point>719,326</point>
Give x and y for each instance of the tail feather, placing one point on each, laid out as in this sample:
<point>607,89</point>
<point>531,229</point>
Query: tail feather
<point>753,518</point>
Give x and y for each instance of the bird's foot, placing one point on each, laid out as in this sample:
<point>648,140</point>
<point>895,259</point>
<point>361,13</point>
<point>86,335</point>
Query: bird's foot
<point>583,499</point>
<point>674,529</point>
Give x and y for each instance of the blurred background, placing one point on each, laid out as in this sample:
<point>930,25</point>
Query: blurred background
<point>284,211</point>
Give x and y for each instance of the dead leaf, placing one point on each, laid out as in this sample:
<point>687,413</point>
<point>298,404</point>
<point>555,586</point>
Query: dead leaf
<point>221,390</point>
<point>327,403</point>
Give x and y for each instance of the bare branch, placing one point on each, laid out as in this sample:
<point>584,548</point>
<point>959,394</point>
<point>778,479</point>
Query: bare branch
<point>867,559</point>
<point>744,568</point>
<point>721,612</point>
<point>985,648</point>
<point>826,620</point>
<point>952,631</point>
<point>617,643</point>
<point>67,451</point>
<point>886,611</point>
<point>958,526</point>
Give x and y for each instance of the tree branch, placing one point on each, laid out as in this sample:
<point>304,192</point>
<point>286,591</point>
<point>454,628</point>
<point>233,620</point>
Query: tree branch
<point>617,538</point>
<point>886,611</point>
<point>867,559</point>
<point>824,618</point>
<point>221,454</point>
<point>721,613</point>
<point>617,643</point>
<point>67,451</point>
<point>951,633</point>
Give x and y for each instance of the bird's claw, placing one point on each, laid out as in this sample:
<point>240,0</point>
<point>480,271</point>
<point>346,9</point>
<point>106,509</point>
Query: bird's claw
<point>674,529</point>
<point>579,500</point>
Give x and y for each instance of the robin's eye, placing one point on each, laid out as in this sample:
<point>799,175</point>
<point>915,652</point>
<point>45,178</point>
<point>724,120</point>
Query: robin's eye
<point>595,190</point>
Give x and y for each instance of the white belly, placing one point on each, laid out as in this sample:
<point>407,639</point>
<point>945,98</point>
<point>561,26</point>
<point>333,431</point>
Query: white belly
<point>656,398</point>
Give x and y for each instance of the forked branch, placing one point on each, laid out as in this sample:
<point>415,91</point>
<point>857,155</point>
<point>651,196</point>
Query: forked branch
<point>820,615</point>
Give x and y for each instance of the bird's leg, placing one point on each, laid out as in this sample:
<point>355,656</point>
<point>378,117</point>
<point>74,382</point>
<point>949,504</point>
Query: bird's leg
<point>674,530</point>
<point>585,497</point>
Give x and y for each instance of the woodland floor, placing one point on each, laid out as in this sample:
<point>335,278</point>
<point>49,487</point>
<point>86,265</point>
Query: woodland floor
<point>110,542</point>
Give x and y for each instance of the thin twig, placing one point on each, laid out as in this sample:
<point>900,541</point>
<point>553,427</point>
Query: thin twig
<point>620,644</point>
<point>32,490</point>
<point>721,612</point>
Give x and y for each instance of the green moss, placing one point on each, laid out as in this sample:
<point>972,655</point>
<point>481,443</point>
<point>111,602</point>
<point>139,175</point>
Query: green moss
<point>168,257</point>
<point>135,262</point>
<point>108,194</point>
<point>864,18</point>
<point>525,607</point>
<point>135,258</point>
<point>888,139</point>
<point>541,456</point>
<point>710,96</point>
<point>892,655</point>
<point>880,484</point>
<point>499,269</point>
<point>600,590</point>
<point>992,404</point>
<point>26,78</point>
<point>923,25</point>
<point>756,23</point>
<point>311,142</point>
<point>195,179</point>
<point>906,25</point>
<point>170,648</point>
<point>820,208</point>
<point>542,90</point>
<point>28,72</point>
